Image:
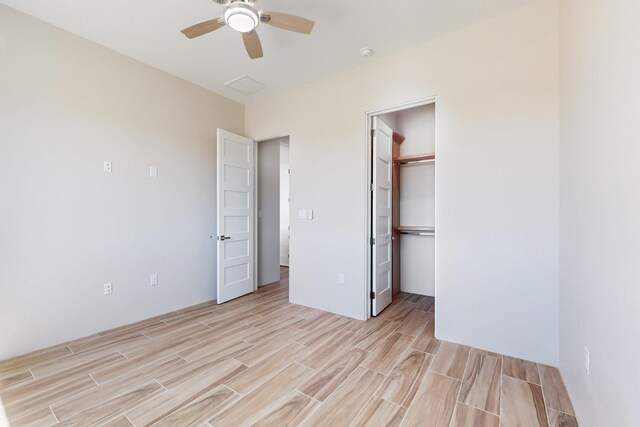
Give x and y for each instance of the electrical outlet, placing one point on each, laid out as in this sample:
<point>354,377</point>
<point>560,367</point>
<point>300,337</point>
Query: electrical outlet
<point>587,361</point>
<point>153,279</point>
<point>107,166</point>
<point>341,278</point>
<point>108,288</point>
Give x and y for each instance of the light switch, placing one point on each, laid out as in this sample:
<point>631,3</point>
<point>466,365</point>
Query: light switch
<point>310,213</point>
<point>302,213</point>
<point>107,166</point>
<point>153,171</point>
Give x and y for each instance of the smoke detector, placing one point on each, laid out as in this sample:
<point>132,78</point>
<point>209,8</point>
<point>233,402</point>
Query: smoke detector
<point>366,52</point>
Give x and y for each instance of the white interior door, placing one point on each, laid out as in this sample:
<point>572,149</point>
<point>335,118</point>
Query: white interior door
<point>235,216</point>
<point>381,212</point>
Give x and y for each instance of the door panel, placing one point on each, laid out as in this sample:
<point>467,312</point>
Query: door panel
<point>235,216</point>
<point>382,227</point>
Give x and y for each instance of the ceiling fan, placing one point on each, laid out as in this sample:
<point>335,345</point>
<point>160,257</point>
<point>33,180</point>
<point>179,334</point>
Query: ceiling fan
<point>242,16</point>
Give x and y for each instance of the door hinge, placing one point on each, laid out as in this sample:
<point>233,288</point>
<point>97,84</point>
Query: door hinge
<point>372,240</point>
<point>373,133</point>
<point>289,171</point>
<point>372,295</point>
<point>373,187</point>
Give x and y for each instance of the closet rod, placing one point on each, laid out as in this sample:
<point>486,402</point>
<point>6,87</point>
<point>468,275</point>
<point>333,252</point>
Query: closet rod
<point>418,233</point>
<point>413,162</point>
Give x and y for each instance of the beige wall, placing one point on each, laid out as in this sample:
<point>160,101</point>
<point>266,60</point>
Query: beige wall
<point>66,227</point>
<point>497,213</point>
<point>600,205</point>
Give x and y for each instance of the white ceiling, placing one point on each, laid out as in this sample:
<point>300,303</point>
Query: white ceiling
<point>149,31</point>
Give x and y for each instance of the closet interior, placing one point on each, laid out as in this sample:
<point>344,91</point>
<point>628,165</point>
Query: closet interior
<point>412,199</point>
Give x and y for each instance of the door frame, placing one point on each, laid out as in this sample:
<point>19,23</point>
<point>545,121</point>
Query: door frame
<point>367,188</point>
<point>255,196</point>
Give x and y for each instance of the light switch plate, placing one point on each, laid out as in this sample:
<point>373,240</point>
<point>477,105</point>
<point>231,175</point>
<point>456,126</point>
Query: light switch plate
<point>153,279</point>
<point>310,214</point>
<point>153,171</point>
<point>302,213</point>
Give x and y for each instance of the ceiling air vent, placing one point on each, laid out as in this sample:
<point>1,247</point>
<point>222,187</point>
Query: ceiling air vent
<point>245,85</point>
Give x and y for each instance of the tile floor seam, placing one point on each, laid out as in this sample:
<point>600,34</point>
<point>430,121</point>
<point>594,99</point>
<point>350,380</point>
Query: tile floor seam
<point>544,398</point>
<point>445,375</point>
<point>129,419</point>
<point>406,408</point>
<point>310,397</point>
<point>562,412</point>
<point>53,413</point>
<point>94,380</point>
<point>361,409</point>
<point>161,385</point>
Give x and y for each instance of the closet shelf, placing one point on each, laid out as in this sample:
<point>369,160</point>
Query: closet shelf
<point>416,158</point>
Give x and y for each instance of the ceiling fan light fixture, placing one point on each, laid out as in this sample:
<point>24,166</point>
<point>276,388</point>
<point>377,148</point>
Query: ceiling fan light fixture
<point>241,17</point>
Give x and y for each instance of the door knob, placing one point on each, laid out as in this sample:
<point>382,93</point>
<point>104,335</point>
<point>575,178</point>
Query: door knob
<point>224,238</point>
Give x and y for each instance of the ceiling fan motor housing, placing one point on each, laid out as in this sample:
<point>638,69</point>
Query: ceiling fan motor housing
<point>228,2</point>
<point>241,16</point>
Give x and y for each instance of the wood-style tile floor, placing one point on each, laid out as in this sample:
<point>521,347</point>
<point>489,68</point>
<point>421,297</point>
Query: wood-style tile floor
<point>259,360</point>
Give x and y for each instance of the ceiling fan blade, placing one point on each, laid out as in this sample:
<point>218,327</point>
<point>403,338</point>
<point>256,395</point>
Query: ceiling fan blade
<point>289,22</point>
<point>203,28</point>
<point>252,44</point>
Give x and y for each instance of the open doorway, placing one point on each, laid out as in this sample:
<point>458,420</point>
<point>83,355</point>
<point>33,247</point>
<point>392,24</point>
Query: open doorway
<point>402,217</point>
<point>273,229</point>
<point>285,200</point>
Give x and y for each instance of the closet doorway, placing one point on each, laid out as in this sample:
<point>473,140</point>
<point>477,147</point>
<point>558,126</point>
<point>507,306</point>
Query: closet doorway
<point>402,199</point>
